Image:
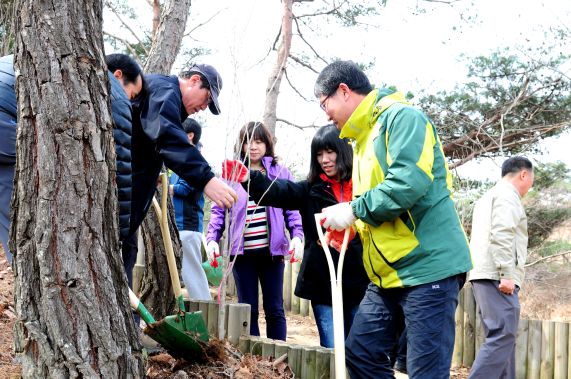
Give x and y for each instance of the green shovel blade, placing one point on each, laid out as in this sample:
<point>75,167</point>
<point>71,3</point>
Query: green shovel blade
<point>183,336</point>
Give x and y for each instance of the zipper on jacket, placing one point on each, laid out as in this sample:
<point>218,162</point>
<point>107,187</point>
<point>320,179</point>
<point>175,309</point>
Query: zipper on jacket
<point>371,261</point>
<point>379,251</point>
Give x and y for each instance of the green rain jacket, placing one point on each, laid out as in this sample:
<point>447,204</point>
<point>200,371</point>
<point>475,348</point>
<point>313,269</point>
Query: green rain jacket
<point>402,192</point>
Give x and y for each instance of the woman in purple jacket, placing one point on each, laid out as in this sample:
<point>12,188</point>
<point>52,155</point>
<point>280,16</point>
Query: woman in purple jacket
<point>256,234</point>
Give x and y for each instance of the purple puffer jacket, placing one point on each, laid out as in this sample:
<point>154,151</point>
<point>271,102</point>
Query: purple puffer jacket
<point>277,217</point>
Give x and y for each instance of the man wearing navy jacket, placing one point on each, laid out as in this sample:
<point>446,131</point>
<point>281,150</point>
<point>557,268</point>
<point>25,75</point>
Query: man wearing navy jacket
<point>159,139</point>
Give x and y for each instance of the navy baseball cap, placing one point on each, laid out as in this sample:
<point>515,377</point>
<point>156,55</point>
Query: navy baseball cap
<point>214,81</point>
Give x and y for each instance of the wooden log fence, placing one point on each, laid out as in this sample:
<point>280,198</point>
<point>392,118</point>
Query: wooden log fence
<point>543,348</point>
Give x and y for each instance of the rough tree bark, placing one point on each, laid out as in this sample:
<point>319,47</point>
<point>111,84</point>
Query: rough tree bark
<point>70,289</point>
<point>275,79</point>
<point>168,36</point>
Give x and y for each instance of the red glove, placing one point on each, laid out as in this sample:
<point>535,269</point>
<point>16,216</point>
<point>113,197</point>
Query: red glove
<point>234,170</point>
<point>334,238</point>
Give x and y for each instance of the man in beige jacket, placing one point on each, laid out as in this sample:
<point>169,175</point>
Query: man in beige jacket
<point>499,251</point>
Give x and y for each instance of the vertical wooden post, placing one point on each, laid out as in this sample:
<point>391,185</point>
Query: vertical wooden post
<point>268,348</point>
<point>332,364</point>
<point>213,318</point>
<point>191,305</point>
<point>308,358</point>
<point>459,338</point>
<point>203,307</point>
<point>281,348</point>
<point>304,307</point>
<point>244,344</point>
<point>287,290</point>
<point>294,299</point>
<point>294,359</point>
<point>521,349</point>
<point>255,345</point>
<point>323,364</point>
<point>238,321</point>
<point>534,349</point>
<point>547,349</point>
<point>469,326</point>
<point>561,350</point>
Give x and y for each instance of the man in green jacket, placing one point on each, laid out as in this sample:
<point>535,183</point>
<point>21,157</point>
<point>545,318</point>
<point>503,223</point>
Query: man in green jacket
<point>415,250</point>
<point>499,249</point>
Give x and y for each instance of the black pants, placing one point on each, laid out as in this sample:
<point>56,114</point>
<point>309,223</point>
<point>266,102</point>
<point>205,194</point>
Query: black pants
<point>250,268</point>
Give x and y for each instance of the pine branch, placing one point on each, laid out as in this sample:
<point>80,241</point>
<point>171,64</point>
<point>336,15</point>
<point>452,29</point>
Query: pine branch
<point>124,23</point>
<point>294,88</point>
<point>302,63</point>
<point>127,45</point>
<point>306,42</point>
<point>546,258</point>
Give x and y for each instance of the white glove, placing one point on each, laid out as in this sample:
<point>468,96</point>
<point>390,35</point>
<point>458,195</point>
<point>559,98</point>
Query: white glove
<point>212,250</point>
<point>295,249</point>
<point>338,217</point>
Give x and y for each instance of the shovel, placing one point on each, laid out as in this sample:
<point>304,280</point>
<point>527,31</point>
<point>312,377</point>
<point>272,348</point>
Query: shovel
<point>336,297</point>
<point>183,334</point>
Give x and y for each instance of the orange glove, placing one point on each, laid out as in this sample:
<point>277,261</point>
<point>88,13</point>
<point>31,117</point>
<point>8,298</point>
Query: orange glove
<point>334,238</point>
<point>234,170</point>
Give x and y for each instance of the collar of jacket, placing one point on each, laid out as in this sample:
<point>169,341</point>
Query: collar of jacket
<point>368,111</point>
<point>336,186</point>
<point>509,186</point>
<point>267,162</point>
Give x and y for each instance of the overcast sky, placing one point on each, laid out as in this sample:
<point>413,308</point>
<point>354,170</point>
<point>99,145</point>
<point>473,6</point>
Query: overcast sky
<point>413,48</point>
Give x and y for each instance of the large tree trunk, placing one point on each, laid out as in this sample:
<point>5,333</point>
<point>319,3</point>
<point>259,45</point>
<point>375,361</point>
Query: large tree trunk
<point>275,79</point>
<point>168,36</point>
<point>70,288</point>
<point>156,286</point>
<point>155,279</point>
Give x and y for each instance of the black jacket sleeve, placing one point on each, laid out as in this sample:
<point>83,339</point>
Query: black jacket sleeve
<point>278,193</point>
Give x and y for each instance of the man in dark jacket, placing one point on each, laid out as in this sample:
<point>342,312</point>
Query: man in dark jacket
<point>158,138</point>
<point>126,83</point>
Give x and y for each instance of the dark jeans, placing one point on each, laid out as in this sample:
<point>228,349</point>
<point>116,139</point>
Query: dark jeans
<point>428,310</point>
<point>269,271</point>
<point>324,320</point>
<point>6,178</point>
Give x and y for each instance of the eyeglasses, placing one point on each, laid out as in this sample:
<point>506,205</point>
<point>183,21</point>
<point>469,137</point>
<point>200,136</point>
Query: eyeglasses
<point>323,104</point>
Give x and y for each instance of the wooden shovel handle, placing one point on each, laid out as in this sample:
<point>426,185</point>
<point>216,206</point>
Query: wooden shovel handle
<point>162,213</point>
